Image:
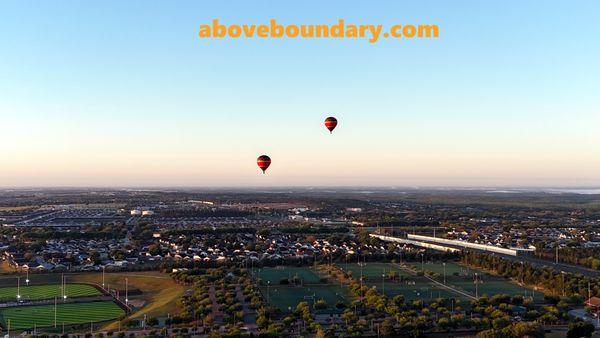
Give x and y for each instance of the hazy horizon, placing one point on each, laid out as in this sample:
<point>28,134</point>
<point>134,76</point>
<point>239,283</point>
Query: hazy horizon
<point>499,189</point>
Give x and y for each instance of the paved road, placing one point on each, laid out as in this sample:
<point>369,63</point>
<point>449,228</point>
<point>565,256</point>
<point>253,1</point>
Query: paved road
<point>217,315</point>
<point>249,314</point>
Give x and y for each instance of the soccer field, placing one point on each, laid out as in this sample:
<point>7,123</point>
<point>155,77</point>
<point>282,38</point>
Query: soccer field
<point>422,290</point>
<point>462,278</point>
<point>371,271</point>
<point>410,286</point>
<point>275,275</point>
<point>23,317</point>
<point>37,292</point>
<point>284,297</point>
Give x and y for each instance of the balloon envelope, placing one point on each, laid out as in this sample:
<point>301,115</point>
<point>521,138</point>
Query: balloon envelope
<point>330,123</point>
<point>263,162</point>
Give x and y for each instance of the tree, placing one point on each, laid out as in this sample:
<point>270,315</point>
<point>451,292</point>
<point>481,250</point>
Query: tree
<point>209,320</point>
<point>386,328</point>
<point>580,329</point>
<point>152,321</point>
<point>154,249</point>
<point>488,334</point>
<point>262,321</point>
<point>95,257</point>
<point>531,330</point>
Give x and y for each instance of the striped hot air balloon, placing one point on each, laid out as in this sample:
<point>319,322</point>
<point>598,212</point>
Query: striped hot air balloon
<point>330,123</point>
<point>263,162</point>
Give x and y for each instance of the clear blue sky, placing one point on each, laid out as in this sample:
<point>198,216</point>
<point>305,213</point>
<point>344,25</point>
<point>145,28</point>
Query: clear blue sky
<point>124,93</point>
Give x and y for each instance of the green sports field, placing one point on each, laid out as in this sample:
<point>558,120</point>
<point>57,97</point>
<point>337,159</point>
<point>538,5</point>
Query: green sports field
<point>462,278</point>
<point>37,292</point>
<point>410,286</point>
<point>284,297</point>
<point>371,271</point>
<point>275,275</point>
<point>23,317</point>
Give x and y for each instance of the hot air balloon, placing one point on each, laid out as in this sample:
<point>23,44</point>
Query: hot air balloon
<point>331,123</point>
<point>263,162</point>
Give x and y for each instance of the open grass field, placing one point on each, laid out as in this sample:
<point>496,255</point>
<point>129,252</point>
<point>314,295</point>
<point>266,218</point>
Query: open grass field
<point>371,271</point>
<point>24,317</point>
<point>421,289</point>
<point>411,287</point>
<point>48,291</point>
<point>159,292</point>
<point>275,275</point>
<point>284,297</point>
<point>462,277</point>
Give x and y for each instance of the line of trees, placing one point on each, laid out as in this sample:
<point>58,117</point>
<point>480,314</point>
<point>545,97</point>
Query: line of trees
<point>573,286</point>
<point>588,257</point>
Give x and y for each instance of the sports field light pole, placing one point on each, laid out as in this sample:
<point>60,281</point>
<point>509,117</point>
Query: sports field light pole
<point>126,292</point>
<point>444,264</point>
<point>18,288</point>
<point>64,288</point>
<point>522,272</point>
<point>27,278</point>
<point>103,277</point>
<point>383,282</point>
<point>55,312</point>
<point>476,287</point>
<point>361,276</point>
<point>346,257</point>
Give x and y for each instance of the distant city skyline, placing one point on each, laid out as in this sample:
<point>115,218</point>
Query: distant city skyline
<point>125,94</point>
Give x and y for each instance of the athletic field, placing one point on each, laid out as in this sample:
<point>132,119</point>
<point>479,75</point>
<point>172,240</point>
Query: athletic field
<point>24,317</point>
<point>275,275</point>
<point>284,297</point>
<point>371,271</point>
<point>410,286</point>
<point>37,292</point>
<point>463,278</point>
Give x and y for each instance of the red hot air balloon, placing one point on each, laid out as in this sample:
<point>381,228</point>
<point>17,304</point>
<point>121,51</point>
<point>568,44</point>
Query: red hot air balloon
<point>263,162</point>
<point>331,123</point>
